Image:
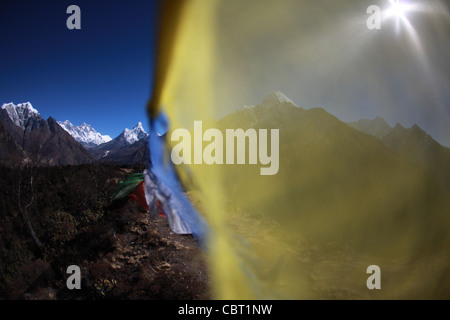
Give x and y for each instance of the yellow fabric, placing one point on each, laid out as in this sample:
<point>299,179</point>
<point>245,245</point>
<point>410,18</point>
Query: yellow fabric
<point>311,230</point>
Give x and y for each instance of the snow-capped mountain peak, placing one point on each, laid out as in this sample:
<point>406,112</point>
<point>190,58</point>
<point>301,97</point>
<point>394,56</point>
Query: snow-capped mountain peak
<point>135,134</point>
<point>84,133</point>
<point>26,105</point>
<point>21,113</point>
<point>276,98</point>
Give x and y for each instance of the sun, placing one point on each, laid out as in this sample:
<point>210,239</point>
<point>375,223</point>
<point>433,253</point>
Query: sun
<point>397,10</point>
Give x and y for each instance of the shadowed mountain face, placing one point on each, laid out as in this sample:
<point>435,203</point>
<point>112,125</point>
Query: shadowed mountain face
<point>130,147</point>
<point>10,139</point>
<point>44,142</point>
<point>117,153</point>
<point>419,147</point>
<point>414,144</point>
<point>54,146</point>
<point>9,149</point>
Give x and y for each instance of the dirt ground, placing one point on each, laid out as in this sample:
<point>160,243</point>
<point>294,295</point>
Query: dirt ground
<point>128,256</point>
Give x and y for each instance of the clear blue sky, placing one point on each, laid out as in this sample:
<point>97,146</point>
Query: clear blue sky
<point>100,74</point>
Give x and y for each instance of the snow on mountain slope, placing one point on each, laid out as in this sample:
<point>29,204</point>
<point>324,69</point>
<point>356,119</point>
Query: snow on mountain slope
<point>275,98</point>
<point>130,147</point>
<point>135,134</point>
<point>20,114</point>
<point>84,133</point>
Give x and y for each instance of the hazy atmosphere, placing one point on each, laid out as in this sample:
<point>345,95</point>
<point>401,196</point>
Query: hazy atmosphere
<point>321,54</point>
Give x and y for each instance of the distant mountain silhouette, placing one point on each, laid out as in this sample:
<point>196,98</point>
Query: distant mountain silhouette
<point>416,145</point>
<point>376,127</point>
<point>413,144</point>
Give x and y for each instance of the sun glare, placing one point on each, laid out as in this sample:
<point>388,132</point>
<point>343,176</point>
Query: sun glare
<point>398,9</point>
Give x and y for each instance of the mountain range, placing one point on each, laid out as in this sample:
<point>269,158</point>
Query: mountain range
<point>332,177</point>
<point>56,147</point>
<point>346,196</point>
<point>130,147</point>
<point>26,136</point>
<point>412,143</point>
<point>342,200</point>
